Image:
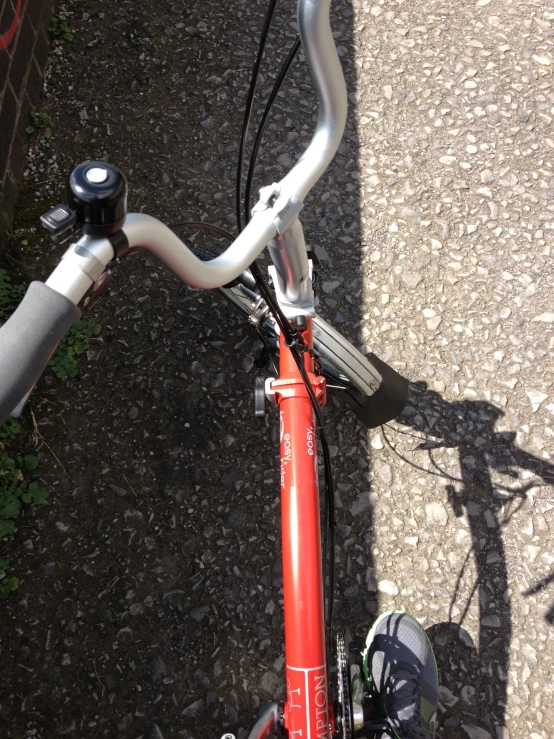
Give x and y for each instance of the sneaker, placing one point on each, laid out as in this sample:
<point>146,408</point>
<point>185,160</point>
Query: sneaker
<point>402,677</point>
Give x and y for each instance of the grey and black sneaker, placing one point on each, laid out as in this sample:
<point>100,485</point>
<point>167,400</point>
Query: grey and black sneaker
<point>402,676</point>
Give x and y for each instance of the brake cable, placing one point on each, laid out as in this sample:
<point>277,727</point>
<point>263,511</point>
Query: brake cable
<point>293,338</point>
<point>262,126</point>
<point>249,100</point>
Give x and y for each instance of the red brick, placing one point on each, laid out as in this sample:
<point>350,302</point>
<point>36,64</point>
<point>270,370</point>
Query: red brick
<point>4,154</point>
<point>4,64</point>
<point>21,57</point>
<point>8,197</point>
<point>42,49</point>
<point>34,13</point>
<point>24,118</point>
<point>8,116</point>
<point>34,83</point>
<point>17,157</point>
<point>7,12</point>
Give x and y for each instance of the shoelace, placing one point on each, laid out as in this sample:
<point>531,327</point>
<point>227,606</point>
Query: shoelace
<point>402,700</point>
<point>391,728</point>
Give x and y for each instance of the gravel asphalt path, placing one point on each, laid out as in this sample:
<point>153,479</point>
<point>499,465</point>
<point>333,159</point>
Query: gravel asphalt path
<point>150,597</point>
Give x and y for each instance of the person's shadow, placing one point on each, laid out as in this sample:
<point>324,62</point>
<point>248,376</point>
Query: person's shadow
<point>469,426</point>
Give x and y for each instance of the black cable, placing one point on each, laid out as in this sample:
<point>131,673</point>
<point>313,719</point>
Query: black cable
<point>249,100</point>
<point>293,338</point>
<point>263,123</point>
<point>295,342</point>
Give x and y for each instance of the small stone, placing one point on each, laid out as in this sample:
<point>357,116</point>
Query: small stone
<point>494,210</point>
<point>486,177</point>
<point>447,160</point>
<point>412,279</point>
<point>228,477</point>
<point>474,732</point>
<point>532,552</point>
<point>482,3</point>
<point>377,442</point>
<point>536,398</point>
<point>509,180</point>
<point>270,683</point>
<point>545,318</point>
<point>330,286</point>
<point>159,669</point>
<point>492,621</point>
<point>446,698</point>
<point>199,613</point>
<point>542,60</point>
<point>209,122</point>
<point>136,609</point>
<point>466,638</point>
<point>436,514</point>
<point>434,323</point>
<point>371,585</point>
<point>360,505</point>
<point>388,587</point>
<point>194,709</point>
<point>384,473</point>
<point>468,693</point>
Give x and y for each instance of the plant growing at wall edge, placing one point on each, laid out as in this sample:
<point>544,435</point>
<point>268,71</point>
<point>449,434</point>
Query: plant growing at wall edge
<point>41,123</point>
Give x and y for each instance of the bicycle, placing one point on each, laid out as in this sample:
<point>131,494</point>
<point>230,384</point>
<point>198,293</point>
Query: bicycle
<point>311,355</point>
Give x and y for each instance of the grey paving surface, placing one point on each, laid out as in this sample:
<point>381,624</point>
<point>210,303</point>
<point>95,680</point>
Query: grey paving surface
<point>150,597</point>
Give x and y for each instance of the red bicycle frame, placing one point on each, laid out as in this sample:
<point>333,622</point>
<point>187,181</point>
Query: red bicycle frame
<point>306,712</point>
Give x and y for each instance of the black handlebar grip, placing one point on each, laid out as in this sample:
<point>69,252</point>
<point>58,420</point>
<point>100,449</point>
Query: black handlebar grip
<point>28,340</point>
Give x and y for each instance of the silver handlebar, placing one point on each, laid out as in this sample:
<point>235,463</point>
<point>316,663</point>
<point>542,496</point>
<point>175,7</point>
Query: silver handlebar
<point>80,264</point>
<point>321,54</point>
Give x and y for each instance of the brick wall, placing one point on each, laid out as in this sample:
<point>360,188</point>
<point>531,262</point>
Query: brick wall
<point>24,46</point>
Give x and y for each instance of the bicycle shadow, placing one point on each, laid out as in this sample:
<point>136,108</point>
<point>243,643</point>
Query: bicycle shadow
<point>488,507</point>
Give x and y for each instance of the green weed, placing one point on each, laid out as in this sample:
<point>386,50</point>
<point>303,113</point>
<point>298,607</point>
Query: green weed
<point>77,341</point>
<point>9,430</point>
<point>15,490</point>
<point>7,584</point>
<point>41,122</point>
<point>60,30</point>
<point>10,295</point>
